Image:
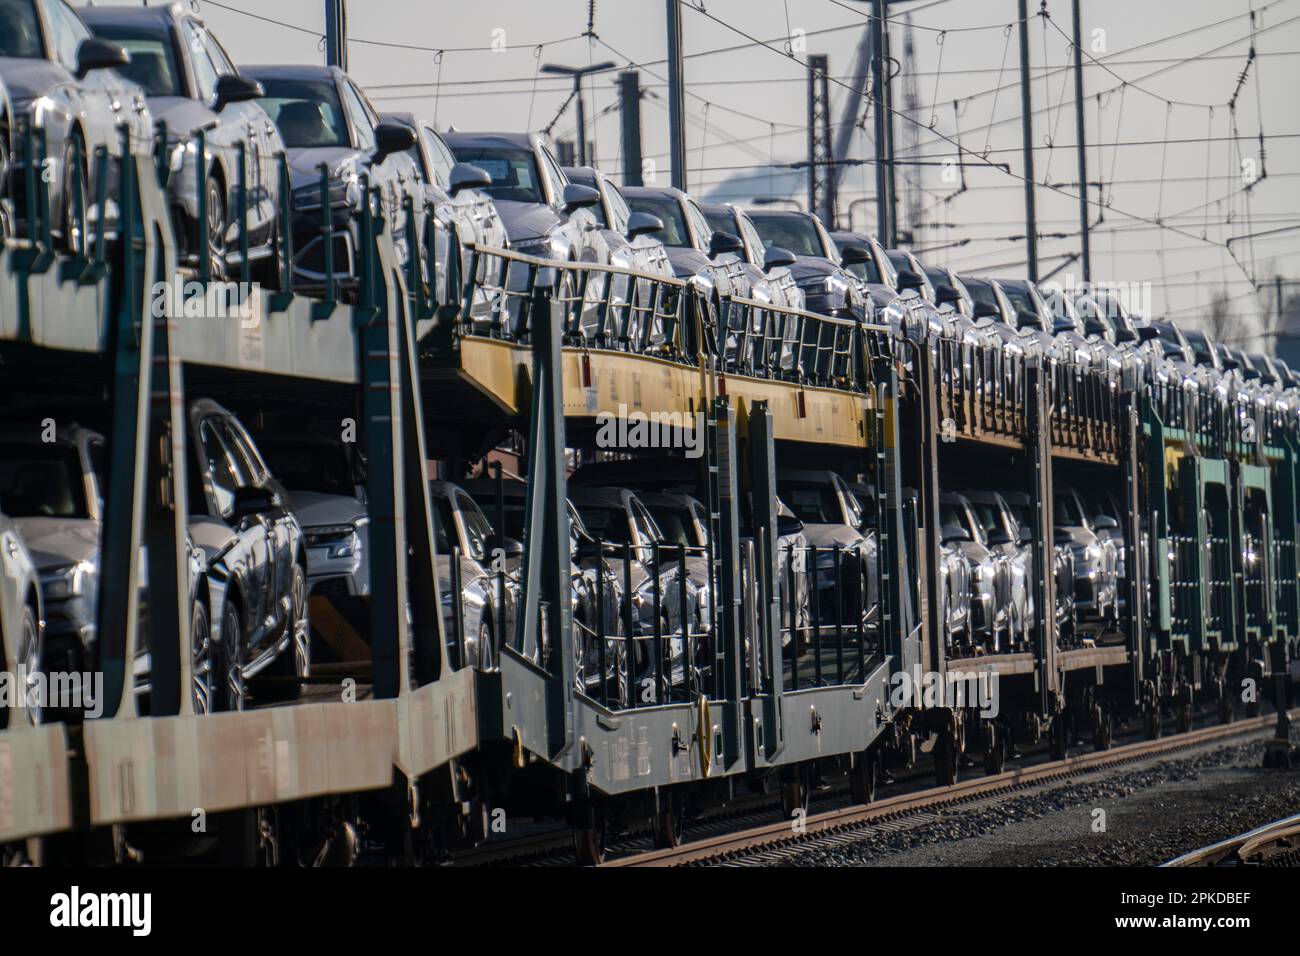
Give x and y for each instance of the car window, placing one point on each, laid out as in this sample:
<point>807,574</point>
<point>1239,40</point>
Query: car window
<point>551,170</point>
<point>605,522</point>
<point>220,58</point>
<point>646,526</point>
<point>812,502</point>
<point>514,172</point>
<point>220,468</point>
<point>795,233</point>
<point>308,113</point>
<point>205,71</point>
<point>699,224</point>
<point>153,65</point>
<point>249,457</point>
<point>720,221</point>
<point>440,157</point>
<point>478,530</point>
<point>866,271</point>
<point>753,241</point>
<point>669,212</point>
<point>676,524</point>
<point>20,30</point>
<point>41,480</point>
<point>68,32</point>
<point>618,210</point>
<point>1066,509</point>
<point>361,120</point>
<point>829,249</point>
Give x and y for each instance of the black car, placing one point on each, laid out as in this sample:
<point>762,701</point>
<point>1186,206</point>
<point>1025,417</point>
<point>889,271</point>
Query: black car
<point>191,85</point>
<point>325,119</point>
<point>63,80</point>
<point>256,559</point>
<point>544,214</point>
<point>819,266</point>
<point>712,259</point>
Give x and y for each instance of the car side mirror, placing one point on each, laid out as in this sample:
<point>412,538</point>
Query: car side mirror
<point>96,53</point>
<point>1000,536</point>
<point>1025,535</point>
<point>249,501</point>
<point>233,88</point>
<point>1146,333</point>
<point>1028,320</point>
<point>392,138</point>
<point>788,525</point>
<point>776,258</point>
<point>951,533</point>
<point>987,310</point>
<point>513,547</point>
<point>467,176</point>
<point>723,242</point>
<point>854,255</point>
<point>1104,523</point>
<point>907,279</point>
<point>945,294</point>
<point>642,224</point>
<point>579,197</point>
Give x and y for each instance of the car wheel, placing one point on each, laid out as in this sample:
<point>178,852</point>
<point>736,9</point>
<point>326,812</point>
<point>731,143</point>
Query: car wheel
<point>74,178</point>
<point>203,668</point>
<point>232,639</point>
<point>299,623</point>
<point>29,661</point>
<point>214,246</point>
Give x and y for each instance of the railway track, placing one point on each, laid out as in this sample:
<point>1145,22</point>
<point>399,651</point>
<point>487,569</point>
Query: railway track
<point>1273,844</point>
<point>848,824</point>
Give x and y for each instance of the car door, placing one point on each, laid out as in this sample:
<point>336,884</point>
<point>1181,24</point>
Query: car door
<point>223,476</point>
<point>280,525</point>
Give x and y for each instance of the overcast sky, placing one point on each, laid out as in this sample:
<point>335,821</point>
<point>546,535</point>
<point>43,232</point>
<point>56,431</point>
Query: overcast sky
<point>747,107</point>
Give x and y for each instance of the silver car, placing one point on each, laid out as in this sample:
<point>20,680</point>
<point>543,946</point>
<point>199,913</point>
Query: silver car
<point>20,616</point>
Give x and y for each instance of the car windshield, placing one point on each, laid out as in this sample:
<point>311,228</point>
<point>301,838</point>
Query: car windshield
<point>20,31</point>
<point>676,525</point>
<point>41,481</point>
<point>720,220</point>
<point>867,271</point>
<point>952,515</point>
<point>605,522</point>
<point>307,112</point>
<point>812,502</point>
<point>308,466</point>
<point>989,516</point>
<point>796,233</point>
<point>513,169</point>
<point>153,59</point>
<point>669,211</point>
<point>1066,509</point>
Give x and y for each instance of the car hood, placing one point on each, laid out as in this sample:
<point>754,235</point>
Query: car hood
<point>303,163</point>
<point>526,220</point>
<point>686,261</point>
<point>1080,537</point>
<point>314,508</point>
<point>812,267</point>
<point>27,79</point>
<point>57,542</point>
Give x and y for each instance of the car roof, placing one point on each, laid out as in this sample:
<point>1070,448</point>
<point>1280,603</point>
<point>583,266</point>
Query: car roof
<point>671,498</point>
<point>650,192</point>
<point>464,138</point>
<point>583,174</point>
<point>291,71</point>
<point>601,496</point>
<point>160,17</point>
<point>781,214</point>
<point>641,471</point>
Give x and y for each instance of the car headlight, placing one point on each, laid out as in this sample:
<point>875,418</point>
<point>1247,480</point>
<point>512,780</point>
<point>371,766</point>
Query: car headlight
<point>67,582</point>
<point>340,540</point>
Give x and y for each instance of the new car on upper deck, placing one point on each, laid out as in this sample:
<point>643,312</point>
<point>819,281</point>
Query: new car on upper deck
<point>544,214</point>
<point>632,237</point>
<point>327,123</point>
<point>774,282</point>
<point>194,87</point>
<point>819,267</point>
<point>713,260</point>
<point>63,84</point>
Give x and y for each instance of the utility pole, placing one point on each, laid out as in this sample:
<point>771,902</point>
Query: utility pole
<point>1027,130</point>
<point>878,106</point>
<point>629,107</point>
<point>579,73</point>
<point>821,170</point>
<point>676,97</point>
<point>1083,153</point>
<point>890,166</point>
<point>336,34</point>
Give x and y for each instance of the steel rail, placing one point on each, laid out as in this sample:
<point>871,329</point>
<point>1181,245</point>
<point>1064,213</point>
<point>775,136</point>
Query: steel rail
<point>782,832</point>
<point>1242,847</point>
